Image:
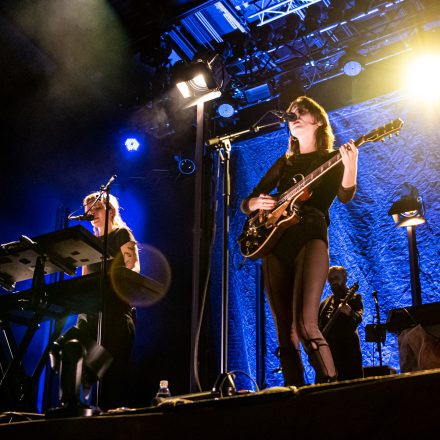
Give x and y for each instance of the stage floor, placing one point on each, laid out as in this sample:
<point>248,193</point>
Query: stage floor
<point>382,407</point>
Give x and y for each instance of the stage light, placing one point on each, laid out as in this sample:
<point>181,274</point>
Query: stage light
<point>293,25</point>
<point>132,144</point>
<point>422,77</point>
<point>409,211</point>
<point>226,109</point>
<point>200,81</point>
<point>313,18</point>
<point>185,165</point>
<point>351,63</point>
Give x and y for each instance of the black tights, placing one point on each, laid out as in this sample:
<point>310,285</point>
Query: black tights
<point>294,296</point>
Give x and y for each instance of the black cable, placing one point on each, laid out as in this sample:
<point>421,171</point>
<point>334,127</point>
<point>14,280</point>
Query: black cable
<point>231,373</point>
<point>208,275</point>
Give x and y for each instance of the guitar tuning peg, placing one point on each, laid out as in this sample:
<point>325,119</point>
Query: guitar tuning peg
<point>397,133</point>
<point>390,136</point>
<point>382,140</point>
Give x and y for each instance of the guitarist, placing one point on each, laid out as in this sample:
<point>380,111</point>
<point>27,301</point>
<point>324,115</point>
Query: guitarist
<point>342,335</point>
<point>296,268</point>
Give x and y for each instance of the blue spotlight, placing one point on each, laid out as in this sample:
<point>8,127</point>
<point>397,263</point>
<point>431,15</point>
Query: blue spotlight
<point>132,144</point>
<point>185,165</point>
<point>226,110</point>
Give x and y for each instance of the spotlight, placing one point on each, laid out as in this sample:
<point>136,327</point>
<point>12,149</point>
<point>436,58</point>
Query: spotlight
<point>351,63</point>
<point>313,18</point>
<point>200,81</point>
<point>132,144</point>
<point>292,27</point>
<point>185,165</point>
<point>408,211</point>
<point>226,109</point>
<point>422,77</point>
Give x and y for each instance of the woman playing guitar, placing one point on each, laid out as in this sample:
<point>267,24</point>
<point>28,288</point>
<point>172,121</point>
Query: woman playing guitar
<point>295,269</point>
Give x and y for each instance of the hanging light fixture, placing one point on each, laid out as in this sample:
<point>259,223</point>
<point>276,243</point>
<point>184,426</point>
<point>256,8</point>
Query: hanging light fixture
<point>200,81</point>
<point>351,63</point>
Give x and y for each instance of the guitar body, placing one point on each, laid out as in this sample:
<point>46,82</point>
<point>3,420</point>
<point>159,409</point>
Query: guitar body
<point>261,231</point>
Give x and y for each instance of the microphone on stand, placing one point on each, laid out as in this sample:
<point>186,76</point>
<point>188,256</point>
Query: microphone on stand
<point>374,295</point>
<point>285,116</point>
<point>111,180</point>
<point>86,217</point>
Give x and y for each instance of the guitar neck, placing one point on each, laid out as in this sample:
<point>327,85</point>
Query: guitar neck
<point>310,178</point>
<point>316,174</point>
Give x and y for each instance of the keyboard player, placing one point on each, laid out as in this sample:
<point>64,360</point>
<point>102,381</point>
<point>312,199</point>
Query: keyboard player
<point>118,324</point>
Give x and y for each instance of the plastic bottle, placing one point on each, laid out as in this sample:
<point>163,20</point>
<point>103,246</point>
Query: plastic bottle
<point>162,392</point>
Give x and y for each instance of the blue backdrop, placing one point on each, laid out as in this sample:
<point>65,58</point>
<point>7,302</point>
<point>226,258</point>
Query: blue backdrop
<point>362,235</point>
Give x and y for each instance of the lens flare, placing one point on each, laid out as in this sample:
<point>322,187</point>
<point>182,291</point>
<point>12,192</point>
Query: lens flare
<point>422,77</point>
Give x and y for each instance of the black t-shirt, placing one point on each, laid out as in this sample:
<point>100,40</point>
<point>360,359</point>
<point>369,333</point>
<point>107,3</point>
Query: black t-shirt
<point>116,238</point>
<point>314,211</point>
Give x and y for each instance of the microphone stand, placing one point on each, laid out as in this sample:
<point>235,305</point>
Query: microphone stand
<point>103,280</point>
<point>380,338</point>
<point>223,146</point>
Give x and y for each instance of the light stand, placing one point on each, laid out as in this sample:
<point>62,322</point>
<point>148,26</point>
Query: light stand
<point>196,243</point>
<point>416,290</point>
<point>409,212</point>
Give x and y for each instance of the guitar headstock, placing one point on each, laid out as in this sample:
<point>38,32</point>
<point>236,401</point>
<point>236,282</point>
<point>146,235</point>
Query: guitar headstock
<point>354,287</point>
<point>381,133</point>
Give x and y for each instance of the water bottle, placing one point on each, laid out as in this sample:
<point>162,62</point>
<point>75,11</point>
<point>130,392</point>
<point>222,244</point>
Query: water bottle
<point>162,392</point>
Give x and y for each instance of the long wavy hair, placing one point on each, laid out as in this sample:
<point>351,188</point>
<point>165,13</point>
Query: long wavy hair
<point>114,215</point>
<point>324,134</point>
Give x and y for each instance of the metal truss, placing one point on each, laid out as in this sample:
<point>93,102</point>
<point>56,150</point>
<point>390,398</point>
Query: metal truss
<point>275,10</point>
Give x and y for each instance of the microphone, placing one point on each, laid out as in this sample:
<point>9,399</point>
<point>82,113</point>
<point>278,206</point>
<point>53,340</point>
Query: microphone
<point>82,217</point>
<point>111,180</point>
<point>285,116</point>
<point>374,295</point>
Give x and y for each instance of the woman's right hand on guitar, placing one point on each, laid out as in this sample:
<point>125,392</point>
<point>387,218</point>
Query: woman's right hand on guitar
<point>263,201</point>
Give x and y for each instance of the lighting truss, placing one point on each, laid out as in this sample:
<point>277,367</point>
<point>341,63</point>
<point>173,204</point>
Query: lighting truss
<point>281,9</point>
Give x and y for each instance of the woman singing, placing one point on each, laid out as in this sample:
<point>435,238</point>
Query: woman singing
<point>118,329</point>
<point>295,270</point>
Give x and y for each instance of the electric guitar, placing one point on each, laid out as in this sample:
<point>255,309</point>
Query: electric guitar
<point>262,229</point>
<point>353,289</point>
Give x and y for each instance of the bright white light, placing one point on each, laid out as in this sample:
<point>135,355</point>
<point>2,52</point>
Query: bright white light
<point>131,144</point>
<point>422,77</point>
<point>206,97</point>
<point>199,81</point>
<point>184,89</point>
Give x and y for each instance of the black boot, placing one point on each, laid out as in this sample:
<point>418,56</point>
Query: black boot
<point>318,352</point>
